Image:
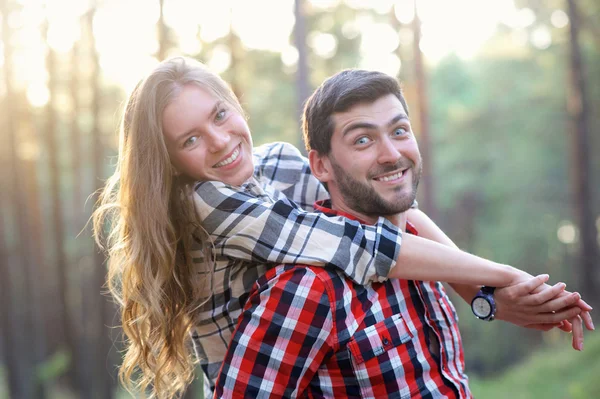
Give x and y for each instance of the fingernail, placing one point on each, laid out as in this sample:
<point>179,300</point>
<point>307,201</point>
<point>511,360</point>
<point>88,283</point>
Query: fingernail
<point>581,346</point>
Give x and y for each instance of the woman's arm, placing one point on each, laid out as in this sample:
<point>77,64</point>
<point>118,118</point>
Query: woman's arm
<point>546,308</point>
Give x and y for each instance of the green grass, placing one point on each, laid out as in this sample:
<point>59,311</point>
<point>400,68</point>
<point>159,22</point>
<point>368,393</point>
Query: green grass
<point>558,372</point>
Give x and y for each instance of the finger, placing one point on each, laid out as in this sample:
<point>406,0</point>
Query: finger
<point>543,296</point>
<point>555,317</point>
<point>556,304</point>
<point>587,320</point>
<point>577,333</point>
<point>526,287</point>
<point>584,305</point>
<point>566,326</point>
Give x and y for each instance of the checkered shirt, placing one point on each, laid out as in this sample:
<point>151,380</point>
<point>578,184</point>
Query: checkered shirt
<point>264,223</point>
<point>311,332</point>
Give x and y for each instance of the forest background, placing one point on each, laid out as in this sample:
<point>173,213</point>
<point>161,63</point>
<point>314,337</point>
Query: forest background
<point>504,97</point>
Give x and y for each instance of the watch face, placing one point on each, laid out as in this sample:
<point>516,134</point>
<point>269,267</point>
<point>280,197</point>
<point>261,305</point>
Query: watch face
<point>481,307</point>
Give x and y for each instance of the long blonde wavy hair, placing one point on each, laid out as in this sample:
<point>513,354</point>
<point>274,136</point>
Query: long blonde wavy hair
<point>146,222</point>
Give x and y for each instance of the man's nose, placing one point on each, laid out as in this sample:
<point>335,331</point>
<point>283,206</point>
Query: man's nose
<point>217,140</point>
<point>388,151</point>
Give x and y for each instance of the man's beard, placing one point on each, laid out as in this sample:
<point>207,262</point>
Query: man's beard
<point>363,198</point>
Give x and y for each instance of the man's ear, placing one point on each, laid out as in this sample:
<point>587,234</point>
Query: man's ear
<point>320,165</point>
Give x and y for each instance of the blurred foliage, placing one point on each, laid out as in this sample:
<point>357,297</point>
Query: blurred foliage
<point>559,372</point>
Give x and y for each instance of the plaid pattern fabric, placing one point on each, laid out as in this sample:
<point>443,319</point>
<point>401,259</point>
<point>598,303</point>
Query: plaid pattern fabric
<point>312,332</point>
<point>265,223</point>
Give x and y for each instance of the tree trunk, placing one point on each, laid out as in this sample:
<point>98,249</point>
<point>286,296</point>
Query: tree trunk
<point>302,84</point>
<point>578,108</point>
<point>235,49</point>
<point>19,330</point>
<point>163,42</point>
<point>103,380</point>
<point>427,183</point>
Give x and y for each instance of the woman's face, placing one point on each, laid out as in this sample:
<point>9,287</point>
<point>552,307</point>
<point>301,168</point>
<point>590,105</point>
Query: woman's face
<point>207,139</point>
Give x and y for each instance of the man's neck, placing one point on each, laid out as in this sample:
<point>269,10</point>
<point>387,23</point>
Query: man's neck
<point>399,219</point>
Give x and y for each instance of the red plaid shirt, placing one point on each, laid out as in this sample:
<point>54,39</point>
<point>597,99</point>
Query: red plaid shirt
<point>311,332</point>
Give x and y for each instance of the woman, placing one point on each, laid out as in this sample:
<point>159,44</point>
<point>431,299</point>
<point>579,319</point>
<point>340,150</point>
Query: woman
<point>176,268</point>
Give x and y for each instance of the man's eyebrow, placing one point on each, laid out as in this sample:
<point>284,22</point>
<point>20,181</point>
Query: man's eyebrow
<point>367,125</point>
<point>397,119</point>
<point>214,110</point>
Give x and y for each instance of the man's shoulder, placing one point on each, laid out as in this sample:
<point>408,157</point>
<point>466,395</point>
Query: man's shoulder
<point>326,279</point>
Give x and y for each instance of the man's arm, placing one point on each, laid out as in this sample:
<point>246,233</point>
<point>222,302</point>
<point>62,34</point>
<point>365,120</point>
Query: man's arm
<point>286,330</point>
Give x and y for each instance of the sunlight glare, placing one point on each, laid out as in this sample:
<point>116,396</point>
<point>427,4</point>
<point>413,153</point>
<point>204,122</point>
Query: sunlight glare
<point>559,19</point>
<point>272,34</point>
<point>382,7</point>
<point>350,29</point>
<point>38,94</point>
<point>379,38</point>
<point>447,28</point>
<point>405,12</point>
<point>518,18</point>
<point>220,59</point>
<point>182,17</point>
<point>386,63</point>
<point>63,34</point>
<point>567,232</point>
<point>323,44</point>
<point>214,19</point>
<point>289,56</point>
<point>123,58</point>
<point>325,4</point>
<point>541,37</point>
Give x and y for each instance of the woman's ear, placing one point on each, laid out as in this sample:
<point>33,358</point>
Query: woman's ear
<point>320,166</point>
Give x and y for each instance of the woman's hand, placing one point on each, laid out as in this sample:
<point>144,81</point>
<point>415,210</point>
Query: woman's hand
<point>532,303</point>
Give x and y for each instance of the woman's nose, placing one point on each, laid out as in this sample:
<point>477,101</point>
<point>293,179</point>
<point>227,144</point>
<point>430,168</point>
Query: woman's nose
<point>217,140</point>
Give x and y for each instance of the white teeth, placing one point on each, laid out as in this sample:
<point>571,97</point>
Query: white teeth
<point>229,160</point>
<point>391,177</point>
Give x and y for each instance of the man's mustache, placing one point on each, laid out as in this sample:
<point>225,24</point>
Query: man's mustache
<point>403,163</point>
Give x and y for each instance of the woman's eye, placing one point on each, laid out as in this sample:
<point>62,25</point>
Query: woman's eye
<point>221,115</point>
<point>190,141</point>
<point>362,140</point>
<point>399,132</point>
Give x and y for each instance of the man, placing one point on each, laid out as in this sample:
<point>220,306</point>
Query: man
<point>311,332</point>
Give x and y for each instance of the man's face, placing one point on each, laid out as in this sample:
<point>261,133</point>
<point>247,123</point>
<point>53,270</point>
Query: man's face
<point>375,159</point>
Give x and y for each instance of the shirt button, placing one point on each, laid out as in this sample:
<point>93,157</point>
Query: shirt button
<point>385,341</point>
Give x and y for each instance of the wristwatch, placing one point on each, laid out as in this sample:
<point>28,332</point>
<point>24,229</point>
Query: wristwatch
<point>483,305</point>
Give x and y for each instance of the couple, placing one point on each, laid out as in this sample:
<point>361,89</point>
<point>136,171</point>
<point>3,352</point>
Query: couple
<point>197,219</point>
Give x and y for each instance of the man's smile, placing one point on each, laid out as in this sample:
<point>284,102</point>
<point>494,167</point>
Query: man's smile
<point>392,176</point>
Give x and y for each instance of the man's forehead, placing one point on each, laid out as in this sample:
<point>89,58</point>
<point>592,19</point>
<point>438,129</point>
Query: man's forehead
<point>380,111</point>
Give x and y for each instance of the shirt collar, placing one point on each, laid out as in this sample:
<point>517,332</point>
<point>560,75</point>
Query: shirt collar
<point>325,207</point>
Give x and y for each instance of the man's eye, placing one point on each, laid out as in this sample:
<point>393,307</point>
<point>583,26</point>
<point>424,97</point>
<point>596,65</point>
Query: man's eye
<point>190,141</point>
<point>399,132</point>
<point>362,140</point>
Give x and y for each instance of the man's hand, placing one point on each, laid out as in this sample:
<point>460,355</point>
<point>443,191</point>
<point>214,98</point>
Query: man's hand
<point>533,304</point>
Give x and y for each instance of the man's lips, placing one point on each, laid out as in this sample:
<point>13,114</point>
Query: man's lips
<point>396,175</point>
<point>229,158</point>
